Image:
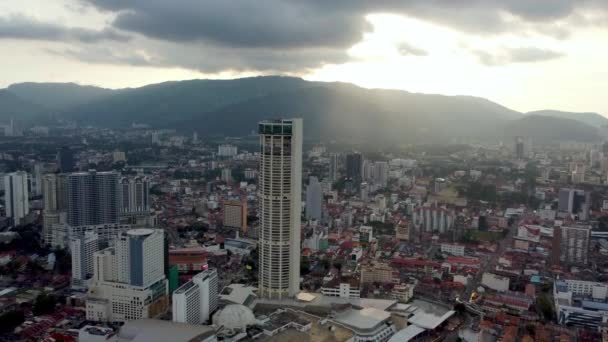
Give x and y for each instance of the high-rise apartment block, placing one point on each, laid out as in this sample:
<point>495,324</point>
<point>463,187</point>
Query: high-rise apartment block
<point>65,159</point>
<point>16,196</point>
<point>354,164</point>
<point>575,202</point>
<point>280,207</point>
<point>134,193</point>
<point>82,249</point>
<point>227,150</point>
<point>574,244</point>
<point>196,300</point>
<point>235,214</point>
<point>334,167</point>
<point>314,199</point>
<point>129,278</point>
<point>92,198</point>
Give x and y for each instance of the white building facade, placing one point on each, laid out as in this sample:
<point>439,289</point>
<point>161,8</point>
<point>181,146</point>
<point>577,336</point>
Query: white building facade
<point>16,196</point>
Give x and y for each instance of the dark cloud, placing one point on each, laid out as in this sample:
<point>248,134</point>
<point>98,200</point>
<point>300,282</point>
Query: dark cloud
<point>292,35</point>
<point>516,55</point>
<point>22,27</point>
<point>406,49</point>
<point>336,23</point>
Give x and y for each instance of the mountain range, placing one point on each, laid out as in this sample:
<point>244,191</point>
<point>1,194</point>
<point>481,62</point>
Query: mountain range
<point>331,110</point>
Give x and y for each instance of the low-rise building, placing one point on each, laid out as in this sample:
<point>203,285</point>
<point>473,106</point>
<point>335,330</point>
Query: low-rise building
<point>495,282</point>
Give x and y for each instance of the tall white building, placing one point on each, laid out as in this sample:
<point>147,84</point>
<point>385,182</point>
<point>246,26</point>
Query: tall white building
<point>280,207</point>
<point>227,150</point>
<point>196,300</point>
<point>129,279</point>
<point>82,249</point>
<point>314,199</point>
<point>16,196</point>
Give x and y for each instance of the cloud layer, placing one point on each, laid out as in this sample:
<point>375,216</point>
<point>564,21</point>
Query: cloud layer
<point>288,35</point>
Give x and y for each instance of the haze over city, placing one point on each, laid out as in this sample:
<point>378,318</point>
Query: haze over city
<point>527,55</point>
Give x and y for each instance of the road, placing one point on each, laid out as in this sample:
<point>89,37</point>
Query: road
<point>490,263</point>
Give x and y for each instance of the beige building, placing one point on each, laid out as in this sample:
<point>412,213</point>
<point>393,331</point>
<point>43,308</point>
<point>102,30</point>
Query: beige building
<point>235,215</point>
<point>402,230</point>
<point>377,272</point>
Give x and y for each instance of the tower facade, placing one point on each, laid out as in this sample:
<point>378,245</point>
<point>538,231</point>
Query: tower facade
<point>92,198</point>
<point>16,196</point>
<point>280,207</point>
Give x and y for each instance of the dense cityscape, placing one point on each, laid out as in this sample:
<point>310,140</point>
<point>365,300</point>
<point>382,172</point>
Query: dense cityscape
<point>141,234</point>
<point>303,171</point>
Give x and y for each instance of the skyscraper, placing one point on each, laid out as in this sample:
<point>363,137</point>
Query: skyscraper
<point>574,244</point>
<point>92,198</point>
<point>235,214</point>
<point>354,163</point>
<point>195,301</point>
<point>280,207</point>
<point>129,279</point>
<point>575,202</point>
<point>314,198</point>
<point>334,163</point>
<point>519,147</point>
<point>65,159</point>
<point>134,195</point>
<point>82,249</point>
<point>16,196</point>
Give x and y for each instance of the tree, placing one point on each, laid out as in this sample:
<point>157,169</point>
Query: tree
<point>546,307</point>
<point>460,308</point>
<point>44,304</point>
<point>10,321</point>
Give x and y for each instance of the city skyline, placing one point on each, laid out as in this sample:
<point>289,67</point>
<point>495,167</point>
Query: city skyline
<point>527,56</point>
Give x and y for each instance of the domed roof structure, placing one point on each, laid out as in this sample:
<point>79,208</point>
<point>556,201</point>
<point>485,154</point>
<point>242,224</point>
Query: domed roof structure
<point>234,316</point>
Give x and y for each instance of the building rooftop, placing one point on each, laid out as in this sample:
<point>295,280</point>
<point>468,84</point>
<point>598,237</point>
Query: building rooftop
<point>407,334</point>
<point>152,330</point>
<point>364,319</point>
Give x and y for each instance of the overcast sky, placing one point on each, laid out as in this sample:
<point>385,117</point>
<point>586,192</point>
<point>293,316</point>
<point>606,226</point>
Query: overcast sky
<point>524,54</point>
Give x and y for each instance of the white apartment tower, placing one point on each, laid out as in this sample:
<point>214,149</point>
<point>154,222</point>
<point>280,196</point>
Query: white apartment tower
<point>82,249</point>
<point>129,279</point>
<point>196,300</point>
<point>16,196</point>
<point>280,207</point>
<point>314,199</point>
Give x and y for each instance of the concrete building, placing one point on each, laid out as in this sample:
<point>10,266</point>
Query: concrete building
<point>129,279</point>
<point>495,282</point>
<point>377,272</point>
<point>354,164</point>
<point>92,198</point>
<point>226,175</point>
<point>119,156</point>
<point>280,207</point>
<point>227,150</point>
<point>342,289</point>
<point>432,218</point>
<point>574,244</point>
<point>16,196</point>
<point>235,214</point>
<point>82,249</point>
<point>65,159</point>
<point>195,301</point>
<point>314,199</point>
<point>402,230</point>
<point>457,250</point>
<point>580,303</point>
<point>575,202</point>
<point>334,167</point>
<point>134,194</point>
